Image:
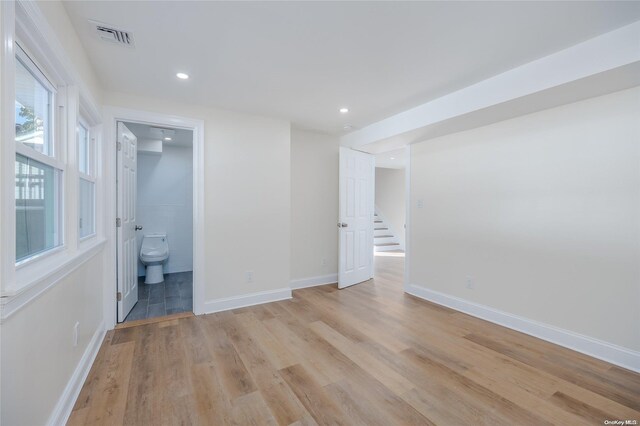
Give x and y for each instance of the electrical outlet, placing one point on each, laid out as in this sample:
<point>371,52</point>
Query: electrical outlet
<point>75,333</point>
<point>323,262</point>
<point>248,277</point>
<point>470,283</point>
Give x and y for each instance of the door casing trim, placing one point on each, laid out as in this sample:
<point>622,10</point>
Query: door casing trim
<point>111,116</point>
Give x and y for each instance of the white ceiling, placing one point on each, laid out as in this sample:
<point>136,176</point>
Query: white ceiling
<point>301,61</point>
<point>179,137</point>
<point>395,159</point>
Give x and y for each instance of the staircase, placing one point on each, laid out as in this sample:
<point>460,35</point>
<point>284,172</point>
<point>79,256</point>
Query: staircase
<point>383,236</point>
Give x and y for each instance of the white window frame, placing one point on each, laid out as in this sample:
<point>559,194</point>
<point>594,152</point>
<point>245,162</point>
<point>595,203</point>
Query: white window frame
<point>90,176</point>
<point>24,22</point>
<point>56,159</point>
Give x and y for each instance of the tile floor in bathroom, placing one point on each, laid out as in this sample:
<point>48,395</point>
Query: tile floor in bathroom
<point>173,295</point>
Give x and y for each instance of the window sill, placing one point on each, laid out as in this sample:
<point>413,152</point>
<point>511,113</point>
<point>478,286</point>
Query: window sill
<point>44,257</point>
<point>44,277</point>
<point>83,241</point>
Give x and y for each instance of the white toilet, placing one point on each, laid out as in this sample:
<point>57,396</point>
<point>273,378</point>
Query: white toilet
<point>153,253</point>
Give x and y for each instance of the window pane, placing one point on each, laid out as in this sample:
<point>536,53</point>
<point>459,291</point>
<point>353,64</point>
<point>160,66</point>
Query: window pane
<point>37,218</point>
<point>87,208</point>
<point>83,149</point>
<point>33,111</point>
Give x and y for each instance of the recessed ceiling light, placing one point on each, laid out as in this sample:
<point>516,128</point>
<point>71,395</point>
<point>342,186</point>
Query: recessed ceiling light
<point>344,110</point>
<point>167,138</point>
<point>182,76</point>
<point>392,158</point>
<point>348,126</point>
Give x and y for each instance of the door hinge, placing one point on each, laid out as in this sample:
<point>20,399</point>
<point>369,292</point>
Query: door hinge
<point>119,296</point>
<point>119,144</point>
<point>118,222</point>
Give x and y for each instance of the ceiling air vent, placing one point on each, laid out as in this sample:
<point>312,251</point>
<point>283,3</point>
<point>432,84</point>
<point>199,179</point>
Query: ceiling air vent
<point>113,35</point>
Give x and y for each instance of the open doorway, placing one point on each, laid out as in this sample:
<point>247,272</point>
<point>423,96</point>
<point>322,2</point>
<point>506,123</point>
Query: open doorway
<point>155,220</point>
<point>390,214</point>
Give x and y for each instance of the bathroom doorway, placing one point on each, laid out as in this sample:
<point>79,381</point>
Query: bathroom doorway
<point>155,211</point>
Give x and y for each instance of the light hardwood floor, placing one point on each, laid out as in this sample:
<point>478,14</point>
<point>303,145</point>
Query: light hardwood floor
<point>367,355</point>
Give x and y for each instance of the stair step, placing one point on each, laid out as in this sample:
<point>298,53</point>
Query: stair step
<point>383,236</point>
<point>377,221</point>
<point>380,229</point>
<point>386,244</point>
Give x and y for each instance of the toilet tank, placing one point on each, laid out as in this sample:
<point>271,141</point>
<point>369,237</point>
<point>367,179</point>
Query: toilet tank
<point>154,241</point>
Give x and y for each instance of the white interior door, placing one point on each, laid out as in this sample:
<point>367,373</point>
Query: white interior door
<point>357,192</point>
<point>126,222</point>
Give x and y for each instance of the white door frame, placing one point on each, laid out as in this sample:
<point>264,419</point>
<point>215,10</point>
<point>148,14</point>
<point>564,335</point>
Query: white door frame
<point>407,219</point>
<point>111,116</point>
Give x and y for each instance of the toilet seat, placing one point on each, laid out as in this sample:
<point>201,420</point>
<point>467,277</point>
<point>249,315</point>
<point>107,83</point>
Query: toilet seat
<point>154,255</point>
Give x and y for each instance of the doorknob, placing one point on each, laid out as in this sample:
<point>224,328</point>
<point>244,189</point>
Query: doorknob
<point>342,225</point>
<point>138,227</point>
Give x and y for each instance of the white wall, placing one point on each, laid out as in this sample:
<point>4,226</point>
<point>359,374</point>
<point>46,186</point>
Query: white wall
<point>247,196</point>
<point>37,357</point>
<point>57,17</point>
<point>390,199</point>
<point>314,205</point>
<point>542,211</point>
<point>165,203</point>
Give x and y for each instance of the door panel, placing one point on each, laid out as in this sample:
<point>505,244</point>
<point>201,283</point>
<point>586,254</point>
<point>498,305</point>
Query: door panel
<point>126,211</point>
<point>357,184</point>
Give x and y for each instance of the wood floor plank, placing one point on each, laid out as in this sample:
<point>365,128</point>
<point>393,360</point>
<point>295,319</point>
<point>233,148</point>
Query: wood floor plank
<point>521,396</point>
<point>301,350</point>
<point>251,409</point>
<point>315,399</point>
<point>144,402</point>
<point>349,318</point>
<point>361,411</point>
<point>212,404</point>
<point>366,390</point>
<point>89,390</point>
<point>235,377</point>
<point>473,391</point>
<point>279,398</point>
<point>457,403</point>
<point>445,407</point>
<point>366,355</point>
<point>580,408</point>
<point>377,369</point>
<point>195,340</point>
<point>279,355</point>
<point>78,416</point>
<point>305,421</point>
<point>598,383</point>
<point>326,363</point>
<point>108,408</point>
<point>597,401</point>
<point>175,385</point>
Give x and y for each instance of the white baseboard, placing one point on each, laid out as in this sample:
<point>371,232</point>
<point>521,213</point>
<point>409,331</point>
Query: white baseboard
<point>227,303</point>
<point>605,351</point>
<point>313,281</point>
<point>65,404</point>
<point>178,268</point>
